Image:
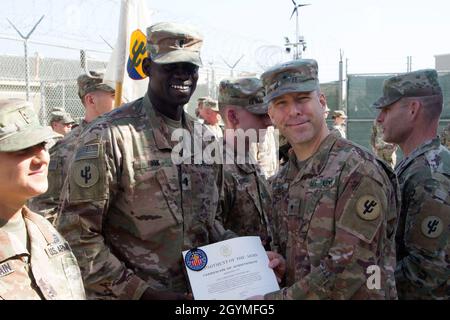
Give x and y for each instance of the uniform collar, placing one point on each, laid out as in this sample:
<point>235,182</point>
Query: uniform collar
<point>31,217</point>
<point>160,129</point>
<point>424,148</point>
<point>10,248</point>
<point>316,163</point>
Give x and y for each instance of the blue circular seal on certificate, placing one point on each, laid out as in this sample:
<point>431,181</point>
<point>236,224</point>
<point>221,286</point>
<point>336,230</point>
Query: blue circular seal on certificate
<point>196,259</point>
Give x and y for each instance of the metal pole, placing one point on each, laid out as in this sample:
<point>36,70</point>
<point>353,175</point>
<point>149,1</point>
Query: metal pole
<point>43,113</point>
<point>341,79</point>
<point>27,66</point>
<point>296,36</point>
<point>63,92</point>
<point>27,70</point>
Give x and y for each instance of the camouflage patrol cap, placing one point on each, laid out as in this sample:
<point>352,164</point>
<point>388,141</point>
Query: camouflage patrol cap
<point>293,76</point>
<point>20,127</point>
<point>339,114</point>
<point>172,43</point>
<point>244,92</point>
<point>210,103</point>
<point>421,83</point>
<point>90,83</point>
<point>59,115</point>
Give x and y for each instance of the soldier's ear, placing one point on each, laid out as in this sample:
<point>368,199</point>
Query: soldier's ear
<point>147,66</point>
<point>415,107</point>
<point>232,117</point>
<point>323,100</point>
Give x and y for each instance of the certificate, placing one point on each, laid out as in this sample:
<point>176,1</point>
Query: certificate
<point>230,270</point>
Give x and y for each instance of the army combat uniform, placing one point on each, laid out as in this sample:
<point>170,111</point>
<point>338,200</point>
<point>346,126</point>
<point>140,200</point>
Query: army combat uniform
<point>335,213</point>
<point>247,201</point>
<point>334,217</point>
<point>423,263</point>
<point>35,261</point>
<point>129,211</point>
<point>60,156</point>
<point>445,137</point>
<point>46,270</point>
<point>383,150</point>
<point>423,248</point>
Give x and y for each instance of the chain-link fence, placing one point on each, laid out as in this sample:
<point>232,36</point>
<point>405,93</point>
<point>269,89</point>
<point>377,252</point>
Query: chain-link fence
<point>51,81</point>
<point>363,90</point>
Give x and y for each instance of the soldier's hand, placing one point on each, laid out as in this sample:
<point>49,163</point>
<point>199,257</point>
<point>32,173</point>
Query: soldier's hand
<point>278,264</point>
<point>151,294</point>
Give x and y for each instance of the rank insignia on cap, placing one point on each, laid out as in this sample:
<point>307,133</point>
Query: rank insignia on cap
<point>196,259</point>
<point>368,207</point>
<point>432,227</point>
<point>85,174</point>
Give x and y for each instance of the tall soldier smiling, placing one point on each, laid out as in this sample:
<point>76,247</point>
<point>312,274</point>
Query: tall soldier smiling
<point>128,210</point>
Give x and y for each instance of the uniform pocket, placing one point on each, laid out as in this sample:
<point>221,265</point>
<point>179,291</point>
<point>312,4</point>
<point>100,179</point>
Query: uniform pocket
<point>73,276</point>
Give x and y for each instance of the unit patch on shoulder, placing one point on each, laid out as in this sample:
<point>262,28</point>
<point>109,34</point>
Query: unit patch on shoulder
<point>85,174</point>
<point>368,207</point>
<point>432,227</point>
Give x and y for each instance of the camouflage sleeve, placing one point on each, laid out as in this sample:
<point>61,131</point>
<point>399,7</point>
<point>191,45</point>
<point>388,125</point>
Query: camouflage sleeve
<point>373,138</point>
<point>47,204</point>
<point>228,196</point>
<point>423,267</point>
<point>359,216</point>
<point>92,184</point>
<point>218,232</point>
<point>445,137</point>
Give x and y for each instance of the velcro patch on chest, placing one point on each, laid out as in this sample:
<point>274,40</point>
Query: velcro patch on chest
<point>89,151</point>
<point>5,269</point>
<point>56,249</point>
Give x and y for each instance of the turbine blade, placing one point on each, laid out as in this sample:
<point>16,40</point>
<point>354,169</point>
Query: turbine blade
<point>293,13</point>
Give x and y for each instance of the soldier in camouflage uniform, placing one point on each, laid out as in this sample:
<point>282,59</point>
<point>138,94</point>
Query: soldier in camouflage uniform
<point>334,204</point>
<point>339,118</point>
<point>383,150</point>
<point>247,200</point>
<point>35,261</point>
<point>61,121</point>
<point>409,114</point>
<point>210,113</point>
<point>97,98</point>
<point>129,210</point>
<point>445,137</point>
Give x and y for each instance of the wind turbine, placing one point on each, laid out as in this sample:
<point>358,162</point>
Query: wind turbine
<point>234,65</point>
<point>297,39</point>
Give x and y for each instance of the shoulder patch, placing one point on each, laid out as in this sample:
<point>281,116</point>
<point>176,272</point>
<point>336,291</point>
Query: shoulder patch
<point>368,207</point>
<point>364,209</point>
<point>89,151</point>
<point>430,227</point>
<point>85,174</point>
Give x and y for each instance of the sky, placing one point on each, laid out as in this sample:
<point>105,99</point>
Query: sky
<point>375,36</point>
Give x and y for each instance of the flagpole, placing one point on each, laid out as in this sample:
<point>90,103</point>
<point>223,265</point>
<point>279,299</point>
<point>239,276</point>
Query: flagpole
<point>121,57</point>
